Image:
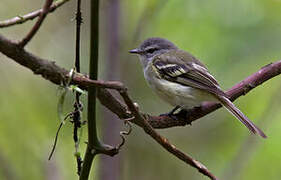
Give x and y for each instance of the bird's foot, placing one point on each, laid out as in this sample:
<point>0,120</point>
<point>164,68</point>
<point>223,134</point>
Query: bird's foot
<point>171,113</point>
<point>186,113</point>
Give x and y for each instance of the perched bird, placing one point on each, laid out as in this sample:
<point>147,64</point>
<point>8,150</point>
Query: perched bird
<point>182,80</point>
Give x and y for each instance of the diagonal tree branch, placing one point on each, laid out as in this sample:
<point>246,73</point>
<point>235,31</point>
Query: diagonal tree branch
<point>37,25</point>
<point>30,16</point>
<point>163,141</point>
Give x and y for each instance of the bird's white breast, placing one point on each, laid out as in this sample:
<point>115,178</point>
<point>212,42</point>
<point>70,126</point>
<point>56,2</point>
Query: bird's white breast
<point>174,93</point>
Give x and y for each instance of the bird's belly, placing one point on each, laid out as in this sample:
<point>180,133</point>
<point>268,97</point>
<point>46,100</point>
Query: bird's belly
<point>179,95</point>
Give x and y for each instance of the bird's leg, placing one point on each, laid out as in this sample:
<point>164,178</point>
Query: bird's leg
<point>185,113</point>
<point>171,113</point>
<point>174,110</point>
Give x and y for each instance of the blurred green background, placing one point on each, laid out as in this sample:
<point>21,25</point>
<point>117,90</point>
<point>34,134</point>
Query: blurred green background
<point>233,38</point>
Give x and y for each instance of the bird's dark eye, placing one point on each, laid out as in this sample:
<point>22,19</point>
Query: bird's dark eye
<point>151,50</point>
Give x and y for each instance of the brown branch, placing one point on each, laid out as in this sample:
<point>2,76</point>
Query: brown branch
<point>37,25</point>
<point>85,83</point>
<point>163,141</point>
<point>30,16</point>
<point>50,71</point>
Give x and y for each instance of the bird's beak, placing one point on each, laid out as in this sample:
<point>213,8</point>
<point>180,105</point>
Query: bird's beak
<point>135,51</point>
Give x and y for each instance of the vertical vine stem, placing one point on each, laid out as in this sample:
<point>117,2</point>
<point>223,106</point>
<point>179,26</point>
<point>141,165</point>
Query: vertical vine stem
<point>78,28</point>
<point>77,105</point>
<point>93,142</point>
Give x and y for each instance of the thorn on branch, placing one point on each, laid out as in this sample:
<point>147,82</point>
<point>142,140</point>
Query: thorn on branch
<point>78,17</point>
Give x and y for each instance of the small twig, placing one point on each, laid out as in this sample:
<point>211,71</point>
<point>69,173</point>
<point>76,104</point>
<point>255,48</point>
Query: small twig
<point>55,142</point>
<point>30,16</point>
<point>37,25</point>
<point>69,115</point>
<point>163,141</point>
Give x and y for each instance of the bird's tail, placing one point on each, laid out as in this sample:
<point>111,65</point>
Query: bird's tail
<point>240,116</point>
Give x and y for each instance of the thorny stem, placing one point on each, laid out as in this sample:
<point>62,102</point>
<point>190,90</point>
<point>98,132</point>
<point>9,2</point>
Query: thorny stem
<point>77,104</point>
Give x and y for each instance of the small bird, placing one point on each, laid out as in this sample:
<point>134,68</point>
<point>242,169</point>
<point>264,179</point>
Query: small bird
<point>182,80</point>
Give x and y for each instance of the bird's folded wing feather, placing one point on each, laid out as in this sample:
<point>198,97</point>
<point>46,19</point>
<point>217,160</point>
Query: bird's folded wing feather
<point>183,68</point>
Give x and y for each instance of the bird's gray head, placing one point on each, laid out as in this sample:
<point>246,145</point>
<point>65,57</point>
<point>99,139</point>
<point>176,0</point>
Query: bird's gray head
<point>152,47</point>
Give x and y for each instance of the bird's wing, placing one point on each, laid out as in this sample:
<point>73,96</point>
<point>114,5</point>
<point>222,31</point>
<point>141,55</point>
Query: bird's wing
<point>181,67</point>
